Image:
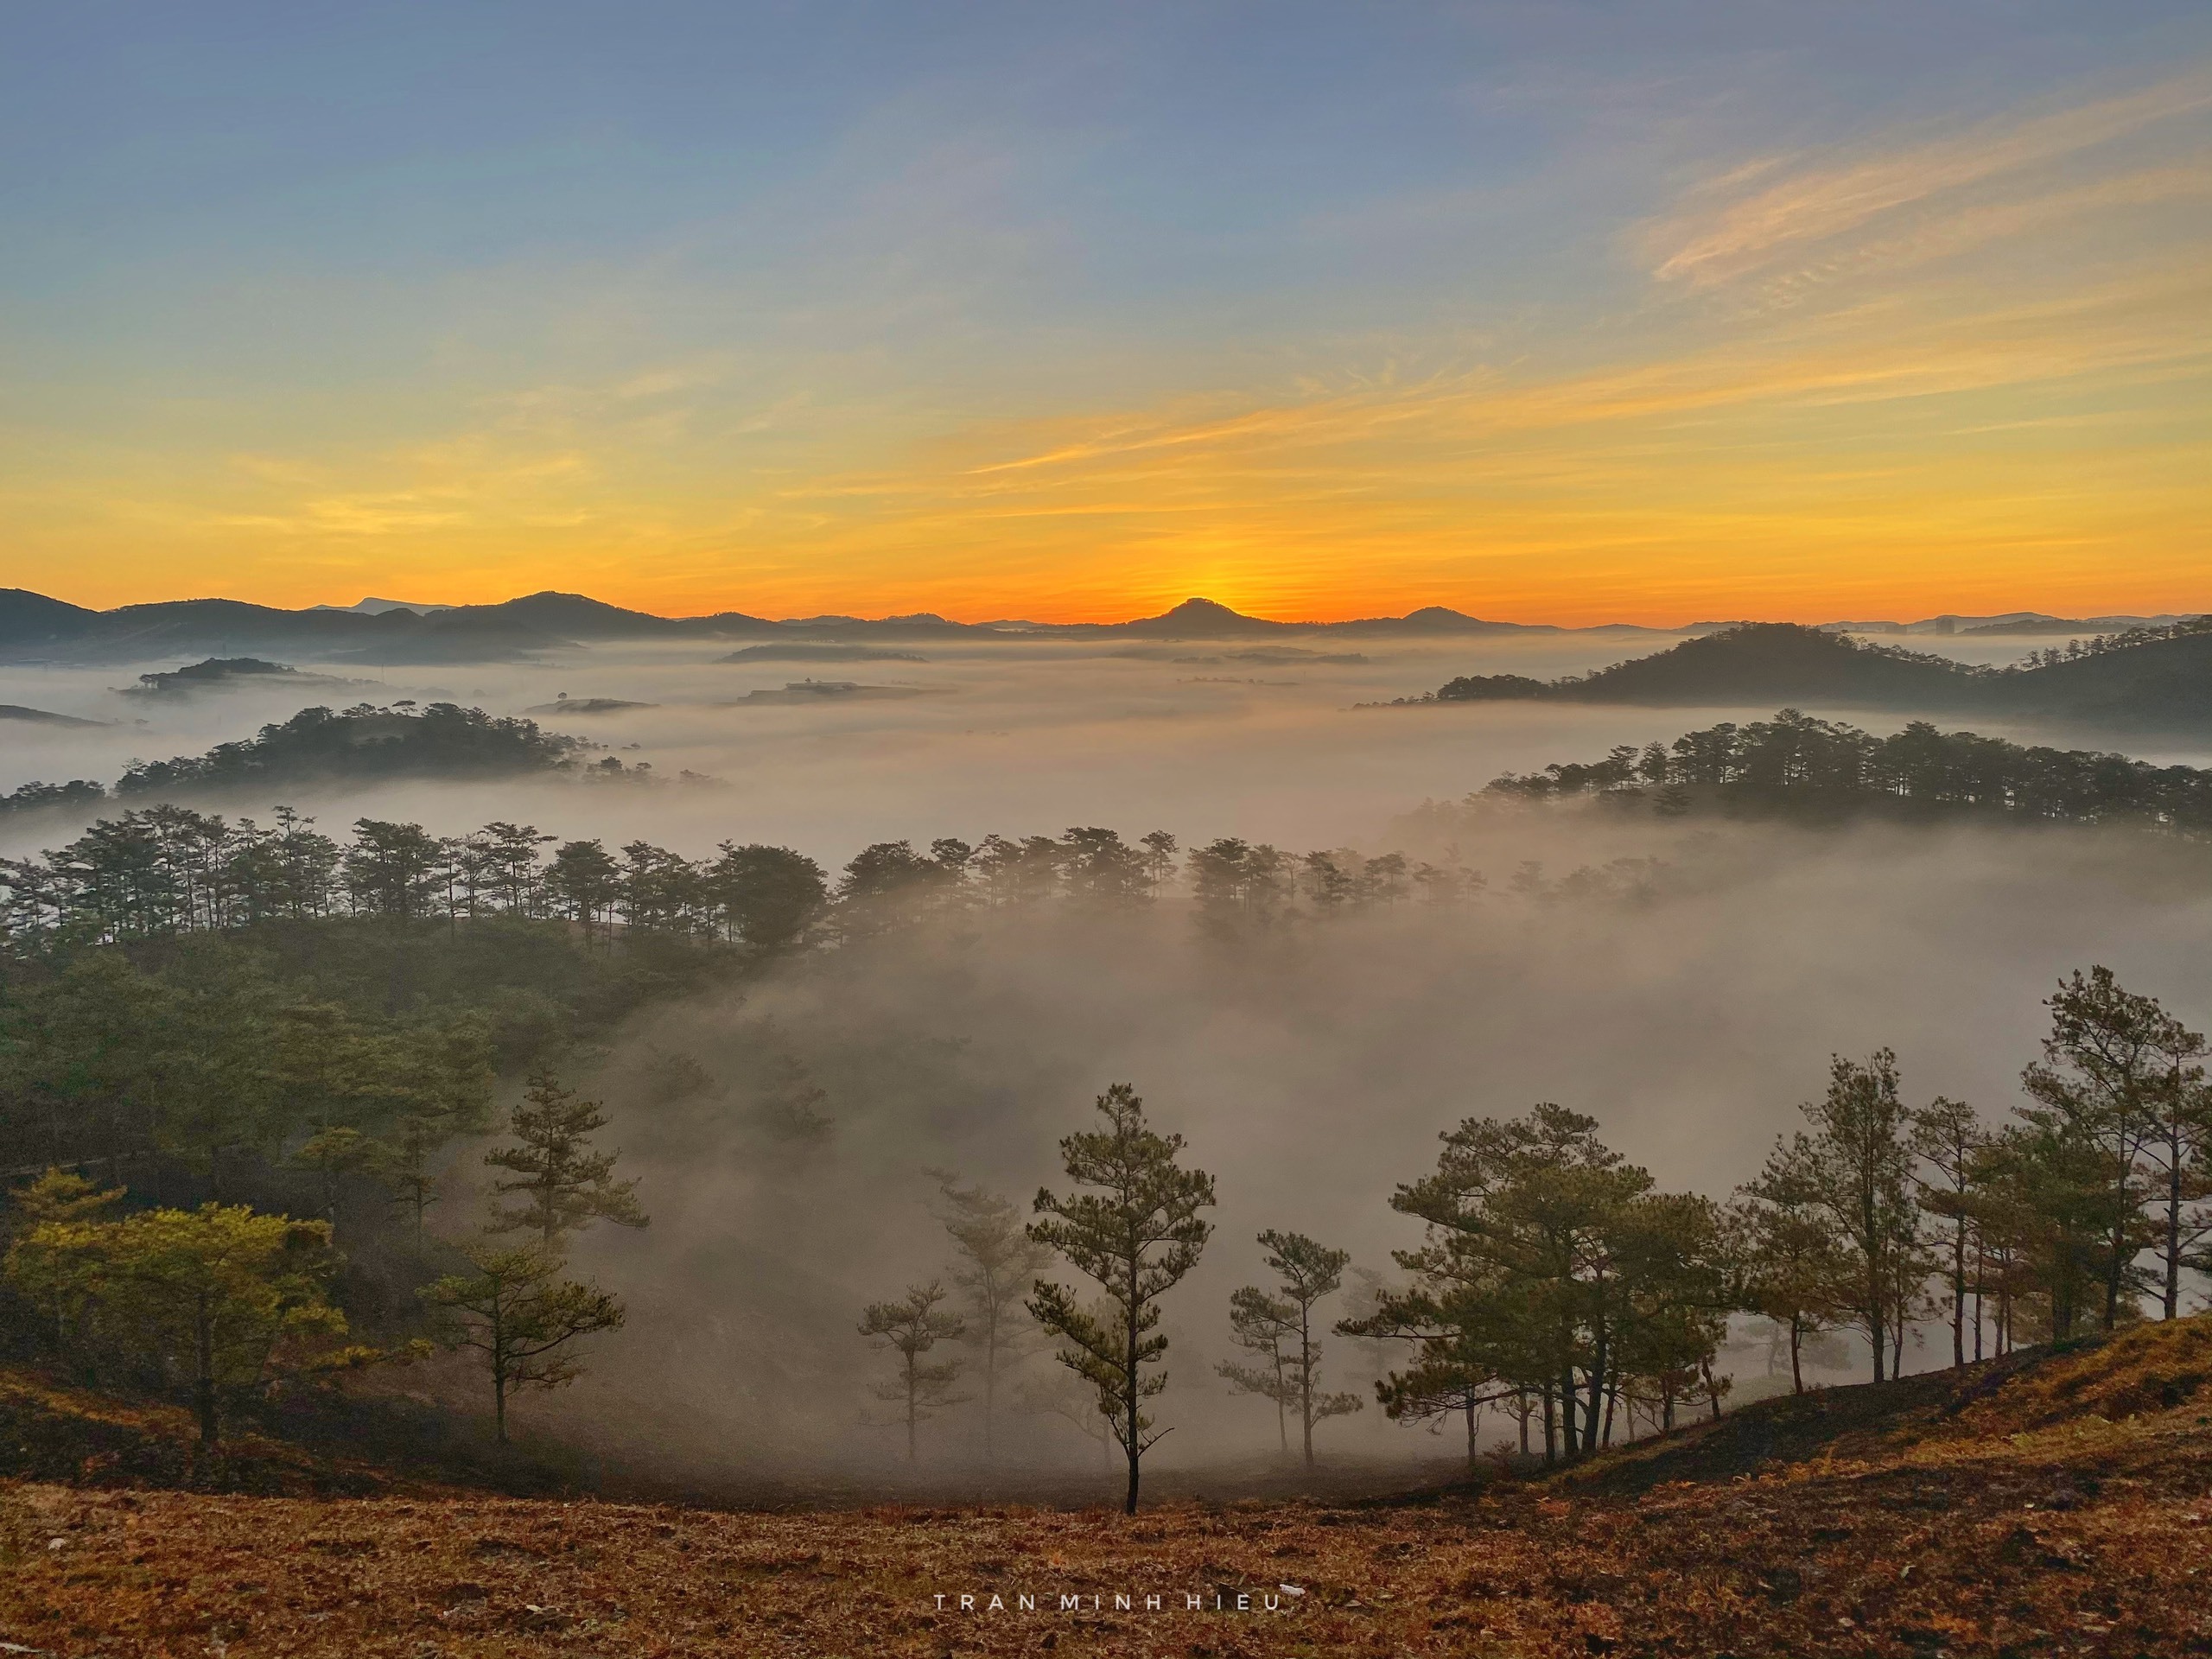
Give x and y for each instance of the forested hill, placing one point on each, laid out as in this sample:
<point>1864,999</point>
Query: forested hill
<point>319,746</point>
<point>1793,765</point>
<point>2144,677</point>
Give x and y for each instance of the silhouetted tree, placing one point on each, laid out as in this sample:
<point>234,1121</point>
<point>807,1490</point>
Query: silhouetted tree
<point>2119,1075</point>
<point>1000,1261</point>
<point>1855,1171</point>
<point>766,895</point>
<point>910,1328</point>
<point>1137,1235</point>
<point>1792,1267</point>
<point>585,883</point>
<point>1309,1271</point>
<point>1949,1139</point>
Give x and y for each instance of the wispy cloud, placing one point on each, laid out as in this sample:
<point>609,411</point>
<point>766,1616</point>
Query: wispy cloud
<point>1721,233</point>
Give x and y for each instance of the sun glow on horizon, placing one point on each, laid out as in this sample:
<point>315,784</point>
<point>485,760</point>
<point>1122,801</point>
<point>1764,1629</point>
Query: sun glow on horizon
<point>1673,366</point>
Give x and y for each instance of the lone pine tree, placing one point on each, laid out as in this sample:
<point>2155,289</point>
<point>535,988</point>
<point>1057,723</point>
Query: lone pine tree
<point>1137,1235</point>
<point>564,1185</point>
<point>910,1328</point>
<point>516,1311</point>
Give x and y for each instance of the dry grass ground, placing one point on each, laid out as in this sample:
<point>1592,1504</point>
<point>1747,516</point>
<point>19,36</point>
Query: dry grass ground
<point>2053,1507</point>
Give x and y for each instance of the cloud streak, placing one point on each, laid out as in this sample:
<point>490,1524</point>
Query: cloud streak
<point>1710,243</point>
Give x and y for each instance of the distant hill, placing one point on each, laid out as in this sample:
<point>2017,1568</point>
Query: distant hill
<point>29,619</point>
<point>2145,677</point>
<point>324,745</point>
<point>214,673</point>
<point>804,651</point>
<point>34,628</point>
<point>41,717</point>
<point>1751,662</point>
<point>587,706</point>
<point>374,606</point>
<point>2157,682</point>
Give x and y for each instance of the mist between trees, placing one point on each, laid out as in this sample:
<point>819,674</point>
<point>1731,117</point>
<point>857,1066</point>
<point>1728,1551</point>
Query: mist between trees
<point>275,1023</point>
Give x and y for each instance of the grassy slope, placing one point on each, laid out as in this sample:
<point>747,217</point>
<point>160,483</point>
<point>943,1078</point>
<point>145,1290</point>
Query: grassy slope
<point>2052,1505</point>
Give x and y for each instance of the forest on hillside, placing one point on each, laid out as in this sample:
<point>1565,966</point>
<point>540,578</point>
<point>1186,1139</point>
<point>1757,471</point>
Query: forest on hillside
<point>2139,676</point>
<point>1795,764</point>
<point>365,742</point>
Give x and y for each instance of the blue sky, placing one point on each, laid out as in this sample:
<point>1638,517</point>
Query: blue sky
<point>722,303</point>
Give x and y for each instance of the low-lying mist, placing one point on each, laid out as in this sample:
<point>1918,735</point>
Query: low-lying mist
<point>1689,1006</point>
<point>1019,738</point>
<point>1687,998</point>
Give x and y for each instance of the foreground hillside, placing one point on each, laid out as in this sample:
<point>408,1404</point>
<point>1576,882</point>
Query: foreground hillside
<point>2049,1504</point>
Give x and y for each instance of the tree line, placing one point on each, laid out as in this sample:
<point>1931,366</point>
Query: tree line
<point>163,871</point>
<point>1796,762</point>
<point>2103,644</point>
<point>1557,1281</point>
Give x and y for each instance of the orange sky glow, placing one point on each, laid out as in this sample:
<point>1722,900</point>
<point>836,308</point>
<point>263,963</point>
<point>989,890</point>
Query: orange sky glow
<point>1958,362</point>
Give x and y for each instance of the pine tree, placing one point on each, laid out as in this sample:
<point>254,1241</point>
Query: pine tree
<point>910,1328</point>
<point>564,1184</point>
<point>1856,1171</point>
<point>1949,1138</point>
<point>1309,1271</point>
<point>1789,1267</point>
<point>2120,1080</point>
<point>516,1311</point>
<point>1261,1324</point>
<point>1137,1236</point>
<point>1001,1262</point>
<point>216,1290</point>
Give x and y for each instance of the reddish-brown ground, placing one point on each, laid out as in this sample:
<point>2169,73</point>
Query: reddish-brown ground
<point>2057,1507</point>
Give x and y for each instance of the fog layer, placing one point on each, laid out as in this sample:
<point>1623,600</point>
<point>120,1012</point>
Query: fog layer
<point>1687,1005</point>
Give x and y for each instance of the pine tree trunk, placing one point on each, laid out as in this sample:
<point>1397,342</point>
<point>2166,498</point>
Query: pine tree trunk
<point>2173,1228</point>
<point>1306,1383</point>
<point>497,1336</point>
<point>1959,1294</point>
<point>1131,1446</point>
<point>1874,1323</point>
<point>990,1391</point>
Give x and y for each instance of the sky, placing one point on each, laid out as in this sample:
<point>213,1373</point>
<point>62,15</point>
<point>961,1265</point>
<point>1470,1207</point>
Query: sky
<point>1549,311</point>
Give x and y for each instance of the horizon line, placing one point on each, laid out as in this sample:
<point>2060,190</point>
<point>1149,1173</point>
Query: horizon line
<point>429,606</point>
